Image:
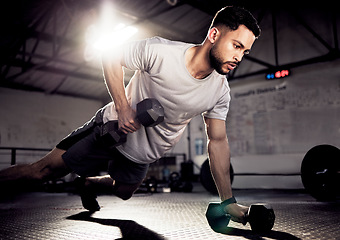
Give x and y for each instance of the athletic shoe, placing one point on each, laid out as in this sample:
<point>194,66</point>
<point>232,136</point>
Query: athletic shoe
<point>87,195</point>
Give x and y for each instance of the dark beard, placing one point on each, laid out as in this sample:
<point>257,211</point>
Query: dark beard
<point>215,62</point>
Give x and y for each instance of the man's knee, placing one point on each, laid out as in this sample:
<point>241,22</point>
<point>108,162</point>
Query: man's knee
<point>125,191</point>
<point>124,195</point>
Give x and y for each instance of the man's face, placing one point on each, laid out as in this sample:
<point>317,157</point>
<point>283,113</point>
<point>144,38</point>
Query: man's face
<point>229,49</point>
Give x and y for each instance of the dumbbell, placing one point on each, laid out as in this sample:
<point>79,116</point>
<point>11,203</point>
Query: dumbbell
<point>149,113</point>
<point>217,218</point>
<point>261,217</point>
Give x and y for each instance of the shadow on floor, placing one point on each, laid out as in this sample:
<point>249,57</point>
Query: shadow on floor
<point>248,234</point>
<point>132,230</point>
<point>129,229</point>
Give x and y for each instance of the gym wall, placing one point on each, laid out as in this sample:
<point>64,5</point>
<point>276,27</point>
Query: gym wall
<point>286,116</point>
<point>272,124</point>
<point>38,120</point>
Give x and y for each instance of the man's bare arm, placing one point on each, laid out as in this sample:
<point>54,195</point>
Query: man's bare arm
<point>219,157</point>
<point>114,80</point>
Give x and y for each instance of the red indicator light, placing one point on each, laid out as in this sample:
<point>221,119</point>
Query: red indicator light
<point>278,74</point>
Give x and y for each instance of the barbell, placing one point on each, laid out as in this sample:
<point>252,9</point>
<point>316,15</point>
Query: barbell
<point>320,173</point>
<point>207,180</point>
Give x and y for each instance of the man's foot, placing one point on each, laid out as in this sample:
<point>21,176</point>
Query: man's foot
<point>88,197</point>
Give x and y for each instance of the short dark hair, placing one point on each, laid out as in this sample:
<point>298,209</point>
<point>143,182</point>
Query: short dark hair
<point>232,17</point>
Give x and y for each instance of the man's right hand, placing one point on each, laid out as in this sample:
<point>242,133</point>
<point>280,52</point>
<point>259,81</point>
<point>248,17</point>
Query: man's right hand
<point>127,121</point>
<point>237,212</point>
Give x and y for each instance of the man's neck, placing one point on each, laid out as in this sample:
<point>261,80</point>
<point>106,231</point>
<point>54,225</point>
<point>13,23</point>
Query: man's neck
<point>197,61</point>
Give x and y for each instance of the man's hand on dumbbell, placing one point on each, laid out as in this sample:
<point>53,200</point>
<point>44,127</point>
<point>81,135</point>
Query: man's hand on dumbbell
<point>127,121</point>
<point>149,113</point>
<point>237,212</point>
<point>260,216</point>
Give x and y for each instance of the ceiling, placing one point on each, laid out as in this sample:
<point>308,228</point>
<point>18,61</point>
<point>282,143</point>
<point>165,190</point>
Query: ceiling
<point>44,48</point>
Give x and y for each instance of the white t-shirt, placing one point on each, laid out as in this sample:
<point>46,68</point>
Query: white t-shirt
<point>160,73</point>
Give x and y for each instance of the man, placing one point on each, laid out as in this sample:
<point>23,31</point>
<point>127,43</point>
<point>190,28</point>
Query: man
<point>187,80</point>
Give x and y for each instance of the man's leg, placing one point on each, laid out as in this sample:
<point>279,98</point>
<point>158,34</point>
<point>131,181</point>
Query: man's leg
<point>88,187</point>
<point>121,190</point>
<point>49,167</point>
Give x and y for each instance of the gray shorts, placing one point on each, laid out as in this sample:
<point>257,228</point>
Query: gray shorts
<point>86,155</point>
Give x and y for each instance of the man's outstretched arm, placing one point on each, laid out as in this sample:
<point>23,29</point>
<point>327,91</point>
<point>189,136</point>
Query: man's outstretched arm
<point>219,158</point>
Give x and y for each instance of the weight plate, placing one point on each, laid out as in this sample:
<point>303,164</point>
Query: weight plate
<point>207,179</point>
<point>320,172</point>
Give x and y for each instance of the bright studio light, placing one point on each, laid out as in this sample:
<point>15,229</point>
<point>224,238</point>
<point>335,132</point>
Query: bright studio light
<point>107,33</point>
<point>113,39</point>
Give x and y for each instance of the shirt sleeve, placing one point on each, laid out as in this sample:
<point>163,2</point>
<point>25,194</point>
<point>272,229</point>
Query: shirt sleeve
<point>137,55</point>
<point>220,110</point>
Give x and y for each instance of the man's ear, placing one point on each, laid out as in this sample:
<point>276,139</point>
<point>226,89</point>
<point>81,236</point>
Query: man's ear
<point>213,34</point>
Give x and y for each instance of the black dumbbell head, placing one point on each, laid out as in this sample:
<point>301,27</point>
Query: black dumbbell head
<point>261,217</point>
<point>110,135</point>
<point>150,112</point>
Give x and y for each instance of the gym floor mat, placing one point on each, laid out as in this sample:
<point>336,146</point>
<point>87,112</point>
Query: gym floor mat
<point>162,216</point>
